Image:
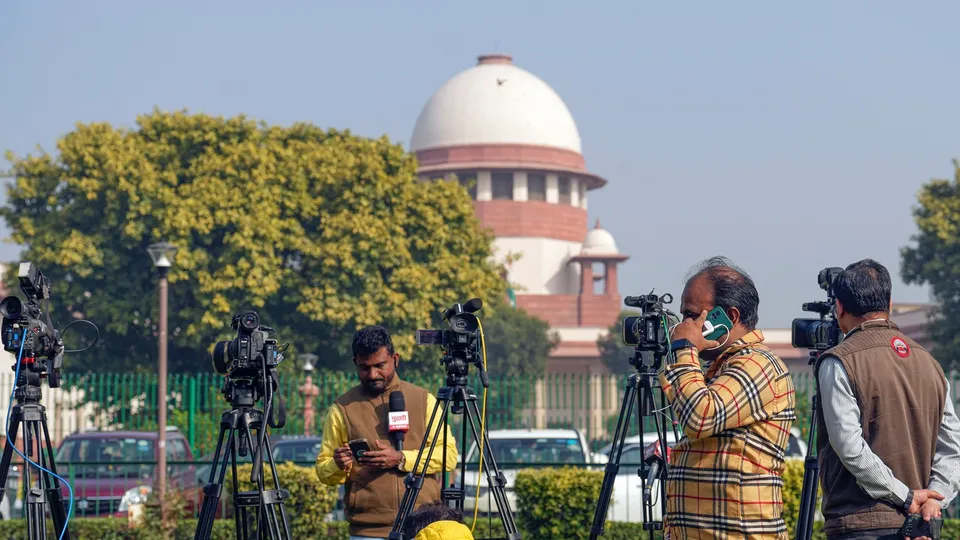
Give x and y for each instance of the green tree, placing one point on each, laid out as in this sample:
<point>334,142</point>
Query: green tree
<point>319,231</point>
<point>934,259</point>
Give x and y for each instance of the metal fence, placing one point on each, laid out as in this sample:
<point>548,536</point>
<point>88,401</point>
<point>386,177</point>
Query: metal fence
<point>127,402</point>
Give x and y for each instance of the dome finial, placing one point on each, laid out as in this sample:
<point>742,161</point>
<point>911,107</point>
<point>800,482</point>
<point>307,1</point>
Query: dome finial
<point>484,59</point>
<point>597,226</point>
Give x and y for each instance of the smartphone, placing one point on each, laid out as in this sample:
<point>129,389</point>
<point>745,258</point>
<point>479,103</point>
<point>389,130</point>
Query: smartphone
<point>359,447</point>
<point>717,324</point>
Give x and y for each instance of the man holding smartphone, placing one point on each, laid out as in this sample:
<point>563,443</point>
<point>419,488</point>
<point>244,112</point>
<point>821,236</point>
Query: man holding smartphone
<point>725,479</point>
<point>374,481</point>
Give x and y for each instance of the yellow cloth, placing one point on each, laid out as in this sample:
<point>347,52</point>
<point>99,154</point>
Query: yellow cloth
<point>445,530</point>
<point>335,436</point>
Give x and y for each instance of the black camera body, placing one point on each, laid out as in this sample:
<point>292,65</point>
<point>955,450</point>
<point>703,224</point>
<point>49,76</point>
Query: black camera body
<point>26,335</point>
<point>459,343</point>
<point>822,333</point>
<point>648,332</point>
<point>245,354</point>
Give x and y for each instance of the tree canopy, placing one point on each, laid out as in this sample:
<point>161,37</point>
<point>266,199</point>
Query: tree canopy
<point>320,231</point>
<point>934,259</point>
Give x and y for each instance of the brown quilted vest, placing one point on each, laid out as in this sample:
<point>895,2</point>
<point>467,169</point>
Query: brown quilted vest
<point>900,390</point>
<point>373,496</point>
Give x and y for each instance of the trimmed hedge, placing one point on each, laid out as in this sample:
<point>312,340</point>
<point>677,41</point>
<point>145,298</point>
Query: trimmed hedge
<point>557,503</point>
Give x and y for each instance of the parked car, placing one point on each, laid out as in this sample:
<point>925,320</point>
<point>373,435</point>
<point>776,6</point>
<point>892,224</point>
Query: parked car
<point>515,449</point>
<point>106,478</point>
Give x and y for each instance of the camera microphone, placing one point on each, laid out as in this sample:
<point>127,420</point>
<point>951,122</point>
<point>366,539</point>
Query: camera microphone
<point>653,457</point>
<point>399,419</point>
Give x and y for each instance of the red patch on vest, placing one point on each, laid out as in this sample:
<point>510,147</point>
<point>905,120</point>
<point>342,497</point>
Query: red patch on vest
<point>900,347</point>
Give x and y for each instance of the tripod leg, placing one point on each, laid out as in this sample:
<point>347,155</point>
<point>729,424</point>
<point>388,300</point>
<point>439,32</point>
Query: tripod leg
<point>54,495</point>
<point>274,499</point>
<point>414,481</point>
<point>495,477</point>
<point>213,489</point>
<point>12,430</point>
<point>811,479</point>
<point>613,466</point>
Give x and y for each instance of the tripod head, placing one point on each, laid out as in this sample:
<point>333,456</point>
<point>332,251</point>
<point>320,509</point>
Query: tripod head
<point>460,344</point>
<point>648,332</point>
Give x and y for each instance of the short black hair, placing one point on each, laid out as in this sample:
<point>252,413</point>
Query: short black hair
<point>371,339</point>
<point>427,514</point>
<point>732,288</point>
<point>864,287</point>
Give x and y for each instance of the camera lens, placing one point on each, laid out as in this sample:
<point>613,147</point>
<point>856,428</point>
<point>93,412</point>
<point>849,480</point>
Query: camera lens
<point>220,359</point>
<point>11,307</point>
<point>250,320</point>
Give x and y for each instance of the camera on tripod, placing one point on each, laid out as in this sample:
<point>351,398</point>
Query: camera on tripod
<point>460,342</point>
<point>823,333</point>
<point>243,355</point>
<point>648,331</point>
<point>23,330</point>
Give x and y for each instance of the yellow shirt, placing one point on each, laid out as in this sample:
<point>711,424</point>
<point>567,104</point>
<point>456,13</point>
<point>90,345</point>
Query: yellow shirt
<point>335,436</point>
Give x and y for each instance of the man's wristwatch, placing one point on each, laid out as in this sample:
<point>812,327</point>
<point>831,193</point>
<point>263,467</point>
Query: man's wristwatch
<point>680,344</point>
<point>908,502</point>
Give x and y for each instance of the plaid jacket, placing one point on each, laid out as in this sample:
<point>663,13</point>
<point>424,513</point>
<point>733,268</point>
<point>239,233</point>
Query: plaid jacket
<point>724,481</point>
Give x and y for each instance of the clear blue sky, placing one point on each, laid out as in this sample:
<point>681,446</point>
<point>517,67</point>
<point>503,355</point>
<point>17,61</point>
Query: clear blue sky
<point>788,136</point>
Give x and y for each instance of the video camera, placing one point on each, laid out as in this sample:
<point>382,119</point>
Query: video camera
<point>248,360</point>
<point>823,333</point>
<point>460,344</point>
<point>649,331</point>
<point>37,344</point>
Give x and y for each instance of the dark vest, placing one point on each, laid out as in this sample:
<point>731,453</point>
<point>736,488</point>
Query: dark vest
<point>373,496</point>
<point>900,390</point>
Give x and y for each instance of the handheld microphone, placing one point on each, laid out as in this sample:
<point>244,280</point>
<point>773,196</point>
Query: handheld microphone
<point>653,457</point>
<point>399,419</point>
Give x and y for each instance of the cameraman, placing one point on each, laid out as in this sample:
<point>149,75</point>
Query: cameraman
<point>724,478</point>
<point>375,482</point>
<point>888,438</point>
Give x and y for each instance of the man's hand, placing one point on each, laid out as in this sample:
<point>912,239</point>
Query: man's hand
<point>929,509</point>
<point>692,329</point>
<point>383,458</point>
<point>343,457</point>
<point>920,497</point>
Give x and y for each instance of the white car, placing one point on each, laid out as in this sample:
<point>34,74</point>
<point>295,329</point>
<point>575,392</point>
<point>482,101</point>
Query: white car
<point>515,449</point>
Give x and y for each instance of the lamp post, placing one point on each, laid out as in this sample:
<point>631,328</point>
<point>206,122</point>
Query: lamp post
<point>162,256</point>
<point>309,391</point>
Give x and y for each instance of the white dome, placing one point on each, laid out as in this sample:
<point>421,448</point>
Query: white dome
<point>599,242</point>
<point>495,102</point>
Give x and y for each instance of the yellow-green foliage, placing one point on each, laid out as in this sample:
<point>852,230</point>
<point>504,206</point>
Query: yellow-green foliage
<point>557,503</point>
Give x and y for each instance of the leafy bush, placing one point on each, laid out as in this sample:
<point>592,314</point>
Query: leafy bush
<point>557,503</point>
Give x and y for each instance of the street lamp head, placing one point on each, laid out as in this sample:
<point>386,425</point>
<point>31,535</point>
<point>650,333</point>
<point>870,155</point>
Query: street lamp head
<point>308,360</point>
<point>162,254</point>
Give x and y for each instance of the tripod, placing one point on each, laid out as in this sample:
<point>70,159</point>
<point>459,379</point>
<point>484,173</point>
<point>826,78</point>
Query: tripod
<point>237,426</point>
<point>29,413</point>
<point>811,468</point>
<point>461,398</point>
<point>639,391</point>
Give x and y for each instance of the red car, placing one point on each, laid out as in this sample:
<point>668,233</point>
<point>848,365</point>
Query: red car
<point>110,470</point>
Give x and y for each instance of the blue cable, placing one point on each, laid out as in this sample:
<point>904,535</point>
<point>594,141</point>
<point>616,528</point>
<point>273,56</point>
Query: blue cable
<point>16,378</point>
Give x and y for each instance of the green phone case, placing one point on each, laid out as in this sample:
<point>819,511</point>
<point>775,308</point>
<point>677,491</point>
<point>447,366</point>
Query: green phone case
<point>718,317</point>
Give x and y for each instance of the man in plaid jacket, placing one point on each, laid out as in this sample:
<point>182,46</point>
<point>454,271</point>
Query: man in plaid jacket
<point>725,473</point>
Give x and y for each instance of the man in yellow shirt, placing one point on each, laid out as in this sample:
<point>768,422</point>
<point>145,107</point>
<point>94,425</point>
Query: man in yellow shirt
<point>374,483</point>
